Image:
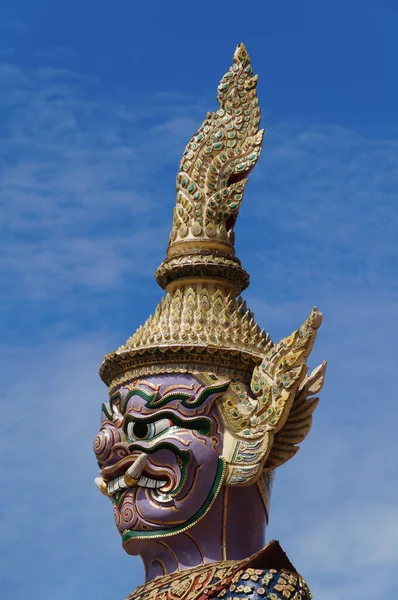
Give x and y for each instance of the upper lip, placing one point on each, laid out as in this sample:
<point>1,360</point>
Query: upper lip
<point>109,473</point>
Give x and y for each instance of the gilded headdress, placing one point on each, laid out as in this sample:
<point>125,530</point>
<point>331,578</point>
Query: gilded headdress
<point>202,323</point>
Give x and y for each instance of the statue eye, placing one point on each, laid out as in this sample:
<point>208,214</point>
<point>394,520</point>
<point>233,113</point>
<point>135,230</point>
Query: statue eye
<point>137,430</point>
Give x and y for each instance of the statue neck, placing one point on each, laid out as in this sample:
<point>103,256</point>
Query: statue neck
<point>239,517</point>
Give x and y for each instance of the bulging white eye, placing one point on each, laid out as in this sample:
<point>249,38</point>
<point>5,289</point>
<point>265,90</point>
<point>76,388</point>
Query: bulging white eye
<point>137,430</point>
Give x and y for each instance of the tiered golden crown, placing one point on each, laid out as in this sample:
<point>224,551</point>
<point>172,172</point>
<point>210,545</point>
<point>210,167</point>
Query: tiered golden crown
<point>199,324</point>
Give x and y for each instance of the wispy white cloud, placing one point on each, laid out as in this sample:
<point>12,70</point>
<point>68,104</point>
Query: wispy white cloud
<point>16,25</point>
<point>50,469</point>
<point>335,505</point>
<point>56,52</point>
<point>72,187</point>
<point>325,205</point>
<point>7,51</point>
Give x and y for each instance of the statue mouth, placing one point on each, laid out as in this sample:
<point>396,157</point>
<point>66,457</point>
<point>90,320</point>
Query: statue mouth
<point>129,535</point>
<point>129,473</point>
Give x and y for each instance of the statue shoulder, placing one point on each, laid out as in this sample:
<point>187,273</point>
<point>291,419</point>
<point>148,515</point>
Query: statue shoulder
<point>268,574</point>
<point>253,584</point>
<point>224,582</point>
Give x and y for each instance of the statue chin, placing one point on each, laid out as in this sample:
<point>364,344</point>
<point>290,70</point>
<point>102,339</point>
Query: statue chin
<point>151,513</point>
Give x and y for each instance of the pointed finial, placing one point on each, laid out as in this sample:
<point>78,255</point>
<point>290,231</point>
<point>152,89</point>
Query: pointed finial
<point>211,182</point>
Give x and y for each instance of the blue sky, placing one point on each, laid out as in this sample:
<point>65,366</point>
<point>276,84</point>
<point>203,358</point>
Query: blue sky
<point>97,102</point>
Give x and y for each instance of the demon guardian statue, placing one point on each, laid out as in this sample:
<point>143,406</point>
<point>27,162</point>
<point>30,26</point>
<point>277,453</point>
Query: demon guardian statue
<point>203,406</point>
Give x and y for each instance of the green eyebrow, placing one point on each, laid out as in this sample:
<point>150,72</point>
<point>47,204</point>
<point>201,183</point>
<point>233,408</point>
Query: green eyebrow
<point>107,409</point>
<point>148,396</point>
<point>187,400</point>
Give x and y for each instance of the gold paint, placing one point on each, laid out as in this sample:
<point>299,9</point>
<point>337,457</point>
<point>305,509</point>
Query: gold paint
<point>224,364</point>
<point>130,481</point>
<point>201,248</point>
<point>276,403</point>
<point>231,288</point>
<point>222,336</point>
<point>136,387</point>
<point>178,386</point>
<point>218,576</point>
<point>152,386</point>
<point>215,164</point>
<point>173,554</point>
<point>177,438</point>
<point>188,535</point>
<point>183,529</point>
<point>224,524</point>
<point>235,419</point>
<point>194,484</point>
<point>104,488</point>
<point>158,505</point>
<point>180,247</point>
<point>153,522</point>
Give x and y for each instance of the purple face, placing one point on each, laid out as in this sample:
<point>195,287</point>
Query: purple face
<point>159,450</point>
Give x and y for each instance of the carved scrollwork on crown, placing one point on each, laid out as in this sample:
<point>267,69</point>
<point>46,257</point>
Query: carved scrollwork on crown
<point>200,326</point>
<point>206,265</point>
<point>267,420</point>
<point>213,175</point>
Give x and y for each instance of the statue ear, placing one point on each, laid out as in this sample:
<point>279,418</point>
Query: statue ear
<point>244,445</point>
<point>263,422</point>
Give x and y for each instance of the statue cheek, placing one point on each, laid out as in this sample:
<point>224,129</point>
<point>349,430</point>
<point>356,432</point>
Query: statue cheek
<point>206,448</point>
<point>116,516</point>
<point>125,514</point>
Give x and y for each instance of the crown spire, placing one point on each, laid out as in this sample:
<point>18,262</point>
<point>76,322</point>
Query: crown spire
<point>210,185</point>
<point>200,324</point>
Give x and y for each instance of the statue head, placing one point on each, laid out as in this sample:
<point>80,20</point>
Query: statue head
<point>200,399</point>
<point>160,452</point>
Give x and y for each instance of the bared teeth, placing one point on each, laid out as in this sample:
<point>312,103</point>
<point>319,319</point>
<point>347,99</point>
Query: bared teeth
<point>132,477</point>
<point>119,483</point>
<point>148,482</point>
<point>151,483</point>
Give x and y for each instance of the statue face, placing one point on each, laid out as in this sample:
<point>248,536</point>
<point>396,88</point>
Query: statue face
<point>159,450</point>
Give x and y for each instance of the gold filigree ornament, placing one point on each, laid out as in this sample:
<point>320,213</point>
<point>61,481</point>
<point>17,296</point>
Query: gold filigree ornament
<point>202,325</point>
<point>265,421</point>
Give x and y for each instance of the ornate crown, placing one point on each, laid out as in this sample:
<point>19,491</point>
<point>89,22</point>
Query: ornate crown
<point>201,325</point>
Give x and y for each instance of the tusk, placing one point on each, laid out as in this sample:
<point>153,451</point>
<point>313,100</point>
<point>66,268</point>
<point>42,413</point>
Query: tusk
<point>101,485</point>
<point>133,474</point>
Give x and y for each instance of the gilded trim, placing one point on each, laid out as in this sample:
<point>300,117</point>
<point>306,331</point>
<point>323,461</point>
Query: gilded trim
<point>224,524</point>
<point>202,512</point>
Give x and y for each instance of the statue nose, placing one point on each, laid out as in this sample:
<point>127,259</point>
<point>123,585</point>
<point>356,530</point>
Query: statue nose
<point>104,442</point>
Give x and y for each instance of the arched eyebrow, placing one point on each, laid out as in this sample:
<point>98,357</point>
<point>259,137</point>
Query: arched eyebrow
<point>137,391</point>
<point>188,400</point>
